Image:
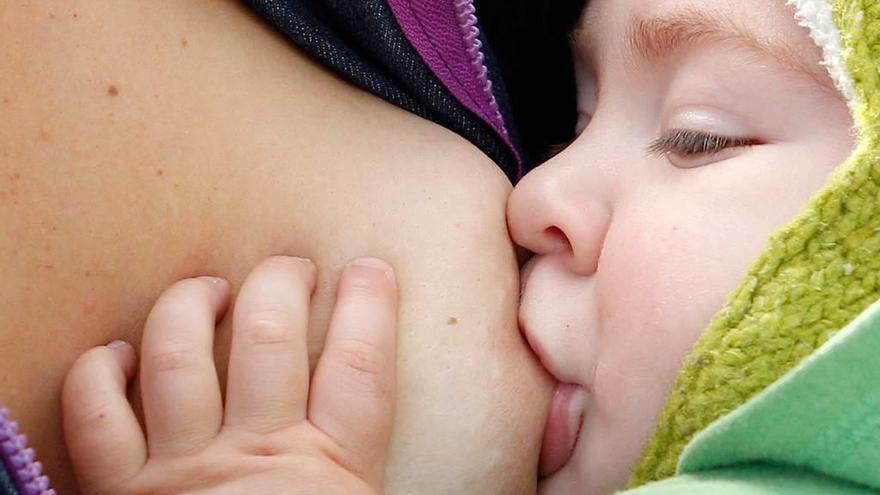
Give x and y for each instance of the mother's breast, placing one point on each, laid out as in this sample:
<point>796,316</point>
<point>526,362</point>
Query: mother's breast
<point>144,142</point>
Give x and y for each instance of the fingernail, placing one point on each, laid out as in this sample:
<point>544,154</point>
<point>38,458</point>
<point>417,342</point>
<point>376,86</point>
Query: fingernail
<point>298,259</point>
<point>213,280</point>
<point>374,264</point>
<point>116,344</point>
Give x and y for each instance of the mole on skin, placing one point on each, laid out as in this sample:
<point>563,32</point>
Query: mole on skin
<point>452,321</point>
<point>112,90</point>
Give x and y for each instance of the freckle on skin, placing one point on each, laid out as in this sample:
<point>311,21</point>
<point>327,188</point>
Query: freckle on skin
<point>112,90</point>
<point>183,42</point>
<point>87,273</point>
<point>159,172</point>
<point>452,321</point>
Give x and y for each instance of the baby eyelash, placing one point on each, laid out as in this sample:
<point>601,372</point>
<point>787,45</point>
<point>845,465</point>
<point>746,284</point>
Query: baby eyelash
<point>686,142</point>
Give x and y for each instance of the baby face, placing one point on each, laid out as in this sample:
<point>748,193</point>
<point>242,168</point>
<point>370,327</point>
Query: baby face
<point>703,127</point>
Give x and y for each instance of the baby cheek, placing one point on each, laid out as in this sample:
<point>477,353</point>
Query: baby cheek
<point>653,303</point>
<point>658,287</point>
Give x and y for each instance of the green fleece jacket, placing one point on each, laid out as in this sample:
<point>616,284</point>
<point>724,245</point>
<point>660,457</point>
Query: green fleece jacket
<point>814,431</point>
<point>781,394</point>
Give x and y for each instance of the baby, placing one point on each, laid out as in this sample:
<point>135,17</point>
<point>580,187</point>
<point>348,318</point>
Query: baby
<point>704,126</point>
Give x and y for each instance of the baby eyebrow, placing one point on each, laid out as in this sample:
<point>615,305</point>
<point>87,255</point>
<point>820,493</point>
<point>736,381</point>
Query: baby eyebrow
<point>650,39</point>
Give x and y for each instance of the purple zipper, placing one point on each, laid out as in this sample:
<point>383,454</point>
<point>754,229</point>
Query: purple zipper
<point>20,460</point>
<point>447,37</point>
<point>467,21</point>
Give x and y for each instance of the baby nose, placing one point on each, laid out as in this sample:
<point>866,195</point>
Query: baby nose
<point>553,210</point>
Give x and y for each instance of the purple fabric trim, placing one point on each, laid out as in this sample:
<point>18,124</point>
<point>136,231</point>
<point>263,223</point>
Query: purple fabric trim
<point>446,36</point>
<point>20,461</point>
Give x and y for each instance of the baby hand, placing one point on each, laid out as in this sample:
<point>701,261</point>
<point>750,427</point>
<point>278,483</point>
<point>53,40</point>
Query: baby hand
<point>278,431</point>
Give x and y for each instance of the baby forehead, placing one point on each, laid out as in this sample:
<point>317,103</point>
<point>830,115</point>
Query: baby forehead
<point>649,30</point>
<point>756,12</point>
<point>606,22</point>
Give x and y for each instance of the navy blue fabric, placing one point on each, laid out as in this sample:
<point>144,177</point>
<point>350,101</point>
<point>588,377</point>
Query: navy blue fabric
<point>6,485</point>
<point>361,40</point>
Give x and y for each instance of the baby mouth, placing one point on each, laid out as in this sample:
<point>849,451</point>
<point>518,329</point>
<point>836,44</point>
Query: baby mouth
<point>563,427</point>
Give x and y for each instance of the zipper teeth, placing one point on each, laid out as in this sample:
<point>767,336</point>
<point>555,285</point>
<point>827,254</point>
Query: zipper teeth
<point>20,460</point>
<point>467,21</point>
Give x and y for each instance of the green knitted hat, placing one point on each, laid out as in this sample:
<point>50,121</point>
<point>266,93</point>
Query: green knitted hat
<point>816,274</point>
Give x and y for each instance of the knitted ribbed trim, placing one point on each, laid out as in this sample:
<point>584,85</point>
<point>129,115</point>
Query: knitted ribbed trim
<point>817,273</point>
<point>818,17</point>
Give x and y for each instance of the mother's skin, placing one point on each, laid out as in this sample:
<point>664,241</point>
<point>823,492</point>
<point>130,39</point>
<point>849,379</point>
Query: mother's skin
<point>143,142</point>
